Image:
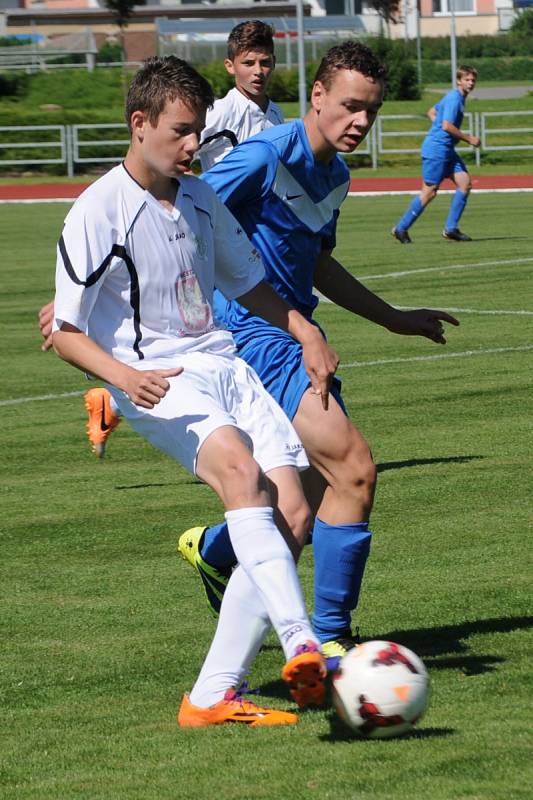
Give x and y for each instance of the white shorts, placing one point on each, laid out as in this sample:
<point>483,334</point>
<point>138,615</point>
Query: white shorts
<point>211,392</point>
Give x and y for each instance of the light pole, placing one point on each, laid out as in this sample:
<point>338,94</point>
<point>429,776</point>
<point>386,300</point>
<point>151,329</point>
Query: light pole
<point>453,42</point>
<point>302,90</point>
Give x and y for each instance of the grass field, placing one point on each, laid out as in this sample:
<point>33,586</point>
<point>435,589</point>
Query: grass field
<point>103,628</point>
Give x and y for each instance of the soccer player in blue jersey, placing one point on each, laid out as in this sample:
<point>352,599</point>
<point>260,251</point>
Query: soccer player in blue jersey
<point>440,161</point>
<point>285,186</point>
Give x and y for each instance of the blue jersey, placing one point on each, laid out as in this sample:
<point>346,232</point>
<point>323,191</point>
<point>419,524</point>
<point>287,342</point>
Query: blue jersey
<point>288,204</point>
<point>438,142</point>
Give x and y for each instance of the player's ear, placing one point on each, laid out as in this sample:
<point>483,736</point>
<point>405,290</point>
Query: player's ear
<point>228,63</point>
<point>317,95</point>
<point>138,123</point>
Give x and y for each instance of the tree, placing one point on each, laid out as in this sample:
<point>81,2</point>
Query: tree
<point>388,10</point>
<point>122,11</point>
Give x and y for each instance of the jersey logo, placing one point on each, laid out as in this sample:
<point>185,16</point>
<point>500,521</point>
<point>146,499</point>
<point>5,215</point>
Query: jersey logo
<point>292,196</point>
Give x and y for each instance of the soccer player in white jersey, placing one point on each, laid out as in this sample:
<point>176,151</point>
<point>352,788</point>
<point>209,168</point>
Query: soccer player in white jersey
<point>140,254</point>
<point>246,109</point>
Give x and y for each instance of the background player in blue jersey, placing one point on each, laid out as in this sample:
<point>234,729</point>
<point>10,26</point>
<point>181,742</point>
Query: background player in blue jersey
<point>440,161</point>
<point>285,186</point>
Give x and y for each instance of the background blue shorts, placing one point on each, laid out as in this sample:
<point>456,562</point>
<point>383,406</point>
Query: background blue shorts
<point>434,170</point>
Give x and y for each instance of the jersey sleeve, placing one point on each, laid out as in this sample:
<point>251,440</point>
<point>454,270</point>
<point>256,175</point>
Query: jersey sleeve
<point>238,266</point>
<point>84,253</point>
<point>244,175</point>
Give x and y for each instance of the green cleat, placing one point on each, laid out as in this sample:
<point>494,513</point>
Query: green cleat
<point>213,580</point>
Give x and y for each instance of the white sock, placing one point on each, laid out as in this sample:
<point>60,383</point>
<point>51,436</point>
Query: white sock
<point>265,557</point>
<point>113,406</point>
<point>242,628</point>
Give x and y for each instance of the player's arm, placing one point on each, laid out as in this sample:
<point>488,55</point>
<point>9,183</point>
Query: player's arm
<point>145,389</point>
<point>320,360</point>
<point>458,134</point>
<point>432,113</point>
<point>339,286</point>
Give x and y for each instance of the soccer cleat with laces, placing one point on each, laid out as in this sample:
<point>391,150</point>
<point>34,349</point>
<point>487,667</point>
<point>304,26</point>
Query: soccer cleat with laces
<point>102,419</point>
<point>304,674</point>
<point>456,236</point>
<point>233,708</point>
<point>214,581</point>
<point>337,648</point>
<point>401,236</point>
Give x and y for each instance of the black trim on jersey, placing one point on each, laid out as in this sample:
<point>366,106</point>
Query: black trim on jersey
<point>226,133</point>
<point>118,251</point>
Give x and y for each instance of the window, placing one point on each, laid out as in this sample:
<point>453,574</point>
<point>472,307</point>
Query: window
<point>459,6</point>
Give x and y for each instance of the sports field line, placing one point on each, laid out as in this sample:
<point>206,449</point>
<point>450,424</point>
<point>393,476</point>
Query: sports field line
<point>378,362</point>
<point>444,267</point>
<point>404,192</point>
<point>437,357</point>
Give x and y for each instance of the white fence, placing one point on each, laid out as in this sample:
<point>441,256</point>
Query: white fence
<point>72,145</point>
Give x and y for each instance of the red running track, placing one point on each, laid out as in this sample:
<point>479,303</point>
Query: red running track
<point>68,191</point>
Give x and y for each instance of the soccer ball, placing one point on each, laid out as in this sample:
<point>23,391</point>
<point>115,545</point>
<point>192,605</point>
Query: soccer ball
<point>380,689</point>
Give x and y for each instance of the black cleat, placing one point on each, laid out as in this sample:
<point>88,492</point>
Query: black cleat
<point>456,236</point>
<point>401,236</point>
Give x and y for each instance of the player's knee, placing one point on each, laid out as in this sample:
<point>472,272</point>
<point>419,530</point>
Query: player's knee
<point>243,474</point>
<point>360,474</point>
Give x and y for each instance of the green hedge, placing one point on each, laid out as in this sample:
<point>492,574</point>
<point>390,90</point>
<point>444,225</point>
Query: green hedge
<point>489,69</point>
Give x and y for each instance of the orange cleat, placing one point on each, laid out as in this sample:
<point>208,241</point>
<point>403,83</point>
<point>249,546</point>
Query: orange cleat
<point>304,674</point>
<point>102,419</point>
<point>233,708</point>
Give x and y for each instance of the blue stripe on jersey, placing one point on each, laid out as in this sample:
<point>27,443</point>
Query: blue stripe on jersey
<point>287,203</point>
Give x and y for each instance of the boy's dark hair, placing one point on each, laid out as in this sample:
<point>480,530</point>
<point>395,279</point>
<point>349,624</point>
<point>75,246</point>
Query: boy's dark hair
<point>251,35</point>
<point>465,69</point>
<point>162,79</point>
<point>351,55</point>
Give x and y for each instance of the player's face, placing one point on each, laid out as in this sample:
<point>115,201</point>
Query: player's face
<point>466,83</point>
<point>252,71</point>
<point>345,112</point>
<point>169,146</point>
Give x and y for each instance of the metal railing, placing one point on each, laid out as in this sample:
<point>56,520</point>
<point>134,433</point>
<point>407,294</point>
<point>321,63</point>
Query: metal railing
<point>392,134</point>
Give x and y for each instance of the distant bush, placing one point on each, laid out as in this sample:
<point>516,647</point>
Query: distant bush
<point>489,69</point>
<point>109,53</point>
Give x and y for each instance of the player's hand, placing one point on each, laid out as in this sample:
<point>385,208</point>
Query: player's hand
<point>320,363</point>
<point>46,318</point>
<point>422,322</point>
<point>475,141</point>
<point>146,389</point>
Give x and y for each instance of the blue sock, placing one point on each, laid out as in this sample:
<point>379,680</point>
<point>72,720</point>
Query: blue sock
<point>216,547</point>
<point>457,207</point>
<point>411,215</point>
<point>340,553</point>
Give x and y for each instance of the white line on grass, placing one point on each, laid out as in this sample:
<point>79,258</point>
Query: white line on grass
<point>439,356</point>
<point>401,192</point>
<point>18,400</point>
<point>444,267</point>
<point>378,362</point>
<point>45,200</point>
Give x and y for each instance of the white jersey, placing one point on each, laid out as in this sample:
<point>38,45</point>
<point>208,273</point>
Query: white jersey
<point>233,119</point>
<point>139,279</point>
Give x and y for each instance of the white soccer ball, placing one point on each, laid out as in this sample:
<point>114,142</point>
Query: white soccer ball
<point>380,689</point>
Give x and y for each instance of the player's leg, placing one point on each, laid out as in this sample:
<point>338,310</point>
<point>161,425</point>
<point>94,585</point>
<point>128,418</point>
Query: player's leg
<point>432,175</point>
<point>341,534</point>
<point>235,646</point>
<point>463,183</point>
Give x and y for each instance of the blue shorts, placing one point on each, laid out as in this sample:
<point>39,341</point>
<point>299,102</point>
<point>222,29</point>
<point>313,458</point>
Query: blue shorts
<point>277,359</point>
<point>434,170</point>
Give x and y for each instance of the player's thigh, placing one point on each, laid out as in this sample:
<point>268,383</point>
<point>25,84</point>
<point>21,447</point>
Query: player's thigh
<point>226,463</point>
<point>332,443</point>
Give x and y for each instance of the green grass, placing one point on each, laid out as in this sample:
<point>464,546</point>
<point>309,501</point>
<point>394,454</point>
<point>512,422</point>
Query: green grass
<point>103,628</point>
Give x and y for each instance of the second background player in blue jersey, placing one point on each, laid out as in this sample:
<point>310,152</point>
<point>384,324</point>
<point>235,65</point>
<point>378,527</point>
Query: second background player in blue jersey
<point>285,187</point>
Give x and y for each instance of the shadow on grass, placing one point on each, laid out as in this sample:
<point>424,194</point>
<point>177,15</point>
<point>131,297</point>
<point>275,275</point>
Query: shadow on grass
<point>430,643</point>
<point>420,462</point>
<point>190,482</point>
<point>339,732</point>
